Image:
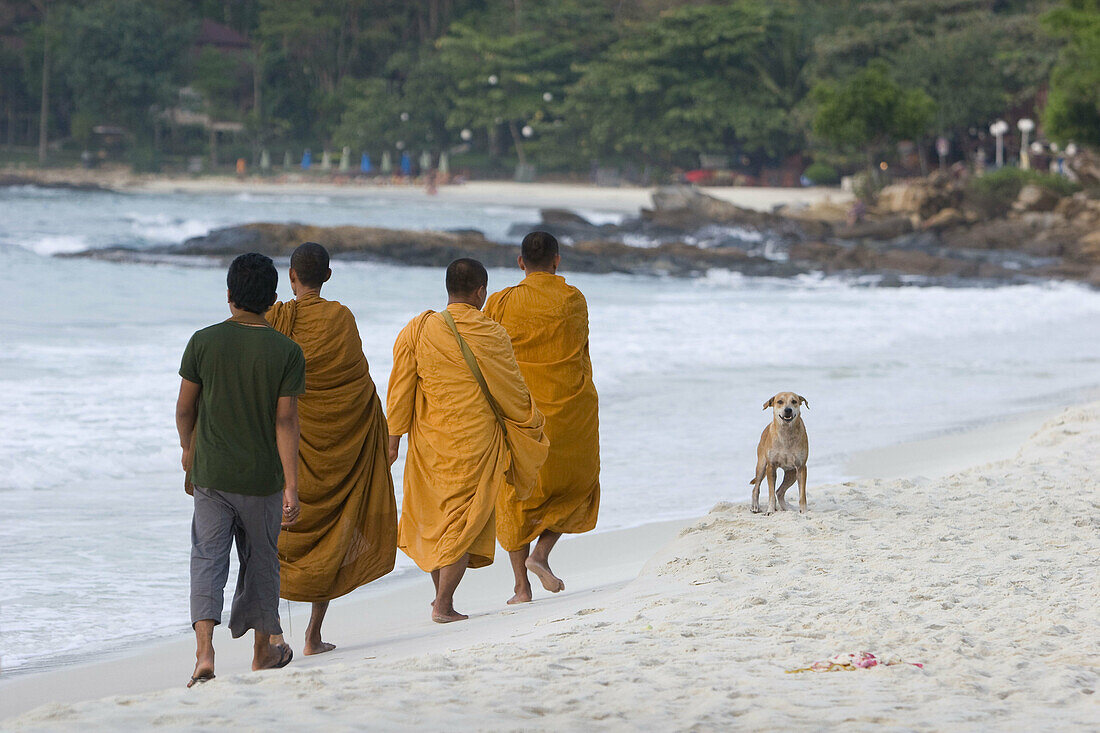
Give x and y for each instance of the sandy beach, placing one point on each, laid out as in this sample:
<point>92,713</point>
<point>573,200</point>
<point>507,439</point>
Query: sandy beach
<point>620,199</point>
<point>985,576</point>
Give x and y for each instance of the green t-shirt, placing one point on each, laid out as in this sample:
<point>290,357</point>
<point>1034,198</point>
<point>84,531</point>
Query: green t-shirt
<point>243,370</point>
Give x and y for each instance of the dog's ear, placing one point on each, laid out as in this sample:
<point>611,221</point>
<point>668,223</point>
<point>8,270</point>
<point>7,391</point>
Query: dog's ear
<point>771,400</point>
<point>802,400</point>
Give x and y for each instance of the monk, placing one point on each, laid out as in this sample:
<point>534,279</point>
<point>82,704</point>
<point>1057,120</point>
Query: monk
<point>465,446</point>
<point>347,534</point>
<point>547,320</point>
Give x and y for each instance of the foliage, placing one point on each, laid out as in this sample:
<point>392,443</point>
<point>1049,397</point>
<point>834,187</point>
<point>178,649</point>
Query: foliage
<point>974,58</point>
<point>711,78</point>
<point>870,109</point>
<point>822,174</point>
<point>120,58</point>
<point>1073,106</point>
<point>646,83</point>
<point>994,192</point>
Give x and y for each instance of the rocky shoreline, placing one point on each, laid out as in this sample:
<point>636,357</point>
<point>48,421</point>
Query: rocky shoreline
<point>922,232</point>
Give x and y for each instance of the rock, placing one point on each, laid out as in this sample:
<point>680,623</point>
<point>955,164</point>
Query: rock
<point>563,217</point>
<point>563,224</point>
<point>686,207</point>
<point>888,228</point>
<point>1036,198</point>
<point>921,198</point>
<point>945,219</point>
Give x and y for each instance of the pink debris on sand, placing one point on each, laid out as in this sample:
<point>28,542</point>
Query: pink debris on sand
<point>850,662</point>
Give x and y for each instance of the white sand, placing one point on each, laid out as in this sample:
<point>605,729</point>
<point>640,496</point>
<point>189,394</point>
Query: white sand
<point>626,199</point>
<point>986,576</point>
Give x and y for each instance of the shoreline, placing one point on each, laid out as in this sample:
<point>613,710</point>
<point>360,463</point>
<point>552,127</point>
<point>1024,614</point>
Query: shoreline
<point>395,632</point>
<point>572,196</point>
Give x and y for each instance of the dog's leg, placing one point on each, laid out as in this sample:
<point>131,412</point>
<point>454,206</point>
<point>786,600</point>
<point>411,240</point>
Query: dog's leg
<point>754,507</point>
<point>771,489</point>
<point>802,490</point>
<point>780,493</point>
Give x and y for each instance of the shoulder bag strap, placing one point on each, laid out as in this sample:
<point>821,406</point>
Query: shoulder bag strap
<point>471,361</point>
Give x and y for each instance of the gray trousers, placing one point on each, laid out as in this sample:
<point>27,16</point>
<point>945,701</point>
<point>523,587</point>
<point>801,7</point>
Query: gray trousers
<point>253,522</point>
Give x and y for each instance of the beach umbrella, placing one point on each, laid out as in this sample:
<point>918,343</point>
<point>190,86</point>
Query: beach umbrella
<point>307,159</point>
<point>326,161</point>
<point>265,160</point>
<point>406,164</point>
<point>444,163</point>
<point>345,159</point>
<point>387,164</point>
<point>425,161</point>
<point>364,162</point>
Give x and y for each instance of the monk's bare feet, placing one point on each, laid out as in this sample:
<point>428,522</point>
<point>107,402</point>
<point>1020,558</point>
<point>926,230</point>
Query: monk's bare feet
<point>523,595</point>
<point>275,656</point>
<point>204,669</point>
<point>446,615</point>
<point>542,571</point>
<point>317,647</point>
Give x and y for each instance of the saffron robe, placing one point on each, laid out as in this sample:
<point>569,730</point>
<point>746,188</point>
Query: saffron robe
<point>547,320</point>
<point>347,534</point>
<point>457,452</point>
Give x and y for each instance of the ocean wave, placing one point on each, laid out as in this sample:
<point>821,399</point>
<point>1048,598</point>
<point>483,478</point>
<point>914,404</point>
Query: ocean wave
<point>164,228</point>
<point>54,244</point>
<point>277,198</point>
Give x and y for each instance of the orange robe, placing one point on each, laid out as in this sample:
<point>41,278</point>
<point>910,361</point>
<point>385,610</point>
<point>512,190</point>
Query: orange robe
<point>547,320</point>
<point>457,453</point>
<point>347,533</point>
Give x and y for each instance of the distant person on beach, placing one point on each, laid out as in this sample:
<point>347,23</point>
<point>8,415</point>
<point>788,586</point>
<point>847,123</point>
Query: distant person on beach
<point>473,429</point>
<point>547,320</point>
<point>237,417</point>
<point>347,534</point>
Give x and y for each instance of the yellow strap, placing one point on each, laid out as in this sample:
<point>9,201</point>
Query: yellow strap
<point>471,361</point>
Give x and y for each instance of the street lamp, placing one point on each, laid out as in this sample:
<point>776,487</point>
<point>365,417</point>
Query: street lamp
<point>998,130</point>
<point>547,97</point>
<point>493,79</point>
<point>404,116</point>
<point>1026,125</point>
<point>466,134</point>
<point>528,131</point>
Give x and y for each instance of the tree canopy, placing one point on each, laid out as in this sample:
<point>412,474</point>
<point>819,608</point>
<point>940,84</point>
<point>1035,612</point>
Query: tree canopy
<point>561,85</point>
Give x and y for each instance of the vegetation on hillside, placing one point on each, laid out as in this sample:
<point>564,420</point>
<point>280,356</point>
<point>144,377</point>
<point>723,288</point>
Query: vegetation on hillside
<point>752,84</point>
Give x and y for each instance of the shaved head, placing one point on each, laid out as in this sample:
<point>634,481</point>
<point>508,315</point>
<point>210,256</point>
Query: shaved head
<point>465,277</point>
<point>539,249</point>
<point>311,263</point>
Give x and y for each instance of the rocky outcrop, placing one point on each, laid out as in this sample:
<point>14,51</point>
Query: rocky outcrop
<point>687,233</point>
<point>8,180</point>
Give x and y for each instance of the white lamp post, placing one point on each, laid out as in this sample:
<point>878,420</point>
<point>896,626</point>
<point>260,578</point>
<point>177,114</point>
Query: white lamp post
<point>1026,126</point>
<point>998,130</point>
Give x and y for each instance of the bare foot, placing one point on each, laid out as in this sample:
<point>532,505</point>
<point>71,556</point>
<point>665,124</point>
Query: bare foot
<point>521,596</point>
<point>542,571</point>
<point>447,616</point>
<point>204,671</point>
<point>320,647</point>
<point>276,656</point>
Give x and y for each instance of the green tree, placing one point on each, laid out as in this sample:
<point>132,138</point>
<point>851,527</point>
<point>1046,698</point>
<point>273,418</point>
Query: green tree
<point>711,78</point>
<point>121,58</point>
<point>510,71</point>
<point>870,110</point>
<point>1073,105</point>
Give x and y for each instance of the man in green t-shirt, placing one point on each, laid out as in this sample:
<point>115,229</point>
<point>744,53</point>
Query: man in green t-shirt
<point>237,417</point>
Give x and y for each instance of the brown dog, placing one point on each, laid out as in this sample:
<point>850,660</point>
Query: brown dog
<point>783,444</point>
